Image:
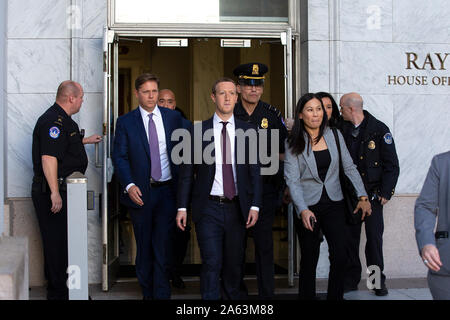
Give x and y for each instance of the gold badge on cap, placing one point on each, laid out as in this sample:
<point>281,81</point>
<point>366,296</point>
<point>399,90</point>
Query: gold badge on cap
<point>372,145</point>
<point>255,69</point>
<point>264,123</point>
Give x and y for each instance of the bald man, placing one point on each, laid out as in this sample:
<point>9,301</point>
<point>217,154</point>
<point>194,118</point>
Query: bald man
<point>57,152</point>
<point>167,99</point>
<point>372,148</point>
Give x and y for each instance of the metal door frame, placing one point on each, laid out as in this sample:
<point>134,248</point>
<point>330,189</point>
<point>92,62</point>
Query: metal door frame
<point>288,39</point>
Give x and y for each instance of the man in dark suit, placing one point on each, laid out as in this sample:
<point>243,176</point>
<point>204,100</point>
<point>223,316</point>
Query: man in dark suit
<point>226,195</point>
<point>168,100</point>
<point>141,155</point>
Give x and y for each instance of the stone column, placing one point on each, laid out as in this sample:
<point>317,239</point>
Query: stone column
<point>2,109</point>
<point>207,67</point>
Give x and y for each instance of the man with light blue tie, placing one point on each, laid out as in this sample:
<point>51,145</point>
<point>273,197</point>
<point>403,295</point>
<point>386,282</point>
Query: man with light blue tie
<point>141,156</point>
<point>226,195</point>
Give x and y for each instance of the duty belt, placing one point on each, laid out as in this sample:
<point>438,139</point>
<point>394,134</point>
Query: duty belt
<point>45,187</point>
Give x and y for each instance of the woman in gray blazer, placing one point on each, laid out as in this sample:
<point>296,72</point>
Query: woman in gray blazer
<point>311,171</point>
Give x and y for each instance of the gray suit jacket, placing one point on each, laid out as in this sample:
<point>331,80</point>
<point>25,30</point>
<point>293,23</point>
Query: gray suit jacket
<point>433,201</point>
<point>303,179</point>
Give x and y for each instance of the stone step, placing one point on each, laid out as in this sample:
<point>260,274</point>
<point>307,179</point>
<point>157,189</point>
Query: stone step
<point>14,268</point>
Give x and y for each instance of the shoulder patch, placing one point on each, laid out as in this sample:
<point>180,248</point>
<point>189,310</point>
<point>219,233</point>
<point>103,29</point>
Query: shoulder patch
<point>54,132</point>
<point>388,138</point>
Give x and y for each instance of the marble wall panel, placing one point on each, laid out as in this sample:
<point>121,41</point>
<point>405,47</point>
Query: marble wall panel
<point>382,108</point>
<point>366,67</point>
<point>366,20</point>
<point>88,64</point>
<point>421,131</point>
<point>23,112</point>
<point>319,65</point>
<point>94,18</point>
<point>423,22</point>
<point>37,66</point>
<point>38,19</point>
<point>318,20</point>
<point>4,225</point>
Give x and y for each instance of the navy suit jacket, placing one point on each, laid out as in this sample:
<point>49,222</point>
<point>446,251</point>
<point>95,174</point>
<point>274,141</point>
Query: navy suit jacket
<point>197,179</point>
<point>131,152</point>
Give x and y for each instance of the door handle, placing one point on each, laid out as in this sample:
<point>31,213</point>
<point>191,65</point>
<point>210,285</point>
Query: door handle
<point>98,163</point>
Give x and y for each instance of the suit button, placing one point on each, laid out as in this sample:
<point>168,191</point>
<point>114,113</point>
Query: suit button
<point>362,158</point>
<point>363,174</point>
<point>376,163</point>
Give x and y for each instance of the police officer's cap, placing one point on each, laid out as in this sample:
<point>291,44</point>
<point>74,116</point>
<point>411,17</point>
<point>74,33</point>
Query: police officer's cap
<point>251,74</point>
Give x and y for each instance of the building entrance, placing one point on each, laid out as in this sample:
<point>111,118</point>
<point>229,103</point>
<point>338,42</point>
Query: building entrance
<point>188,67</point>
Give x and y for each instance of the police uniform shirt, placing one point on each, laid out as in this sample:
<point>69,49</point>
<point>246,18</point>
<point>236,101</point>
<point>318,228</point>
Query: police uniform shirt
<point>57,135</point>
<point>372,148</point>
<point>264,117</point>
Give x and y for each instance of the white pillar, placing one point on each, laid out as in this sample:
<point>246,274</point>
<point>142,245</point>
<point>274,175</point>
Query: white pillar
<point>3,20</point>
<point>77,237</point>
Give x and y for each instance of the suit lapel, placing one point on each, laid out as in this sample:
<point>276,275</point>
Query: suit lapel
<point>332,148</point>
<point>141,131</point>
<point>308,155</point>
<point>208,124</point>
<point>167,129</point>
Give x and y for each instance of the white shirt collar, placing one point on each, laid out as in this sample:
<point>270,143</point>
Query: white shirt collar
<point>217,119</point>
<point>144,113</point>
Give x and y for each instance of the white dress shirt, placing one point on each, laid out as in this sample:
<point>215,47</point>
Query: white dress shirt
<point>164,157</point>
<point>217,187</point>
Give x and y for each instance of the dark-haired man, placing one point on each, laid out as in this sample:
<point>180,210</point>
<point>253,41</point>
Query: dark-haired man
<point>226,195</point>
<point>141,155</point>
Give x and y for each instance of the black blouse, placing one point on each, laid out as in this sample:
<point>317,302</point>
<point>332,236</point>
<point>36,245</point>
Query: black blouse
<point>323,161</point>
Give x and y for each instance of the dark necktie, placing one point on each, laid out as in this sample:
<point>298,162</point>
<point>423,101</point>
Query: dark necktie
<point>154,149</point>
<point>229,189</point>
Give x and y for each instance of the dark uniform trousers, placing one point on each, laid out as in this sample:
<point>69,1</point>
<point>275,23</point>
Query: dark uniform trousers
<point>374,226</point>
<point>220,235</point>
<point>53,229</point>
<point>263,239</point>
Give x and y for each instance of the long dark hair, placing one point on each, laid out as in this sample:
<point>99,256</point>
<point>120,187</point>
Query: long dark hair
<point>335,119</point>
<point>296,140</point>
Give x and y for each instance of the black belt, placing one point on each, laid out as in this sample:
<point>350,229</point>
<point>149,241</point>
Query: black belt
<point>157,184</point>
<point>441,235</point>
<point>223,199</point>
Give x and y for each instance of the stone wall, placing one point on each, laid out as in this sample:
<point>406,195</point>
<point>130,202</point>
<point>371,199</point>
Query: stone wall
<point>48,42</point>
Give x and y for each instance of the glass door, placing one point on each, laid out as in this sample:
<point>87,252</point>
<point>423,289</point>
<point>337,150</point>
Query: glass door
<point>109,203</point>
<point>188,66</point>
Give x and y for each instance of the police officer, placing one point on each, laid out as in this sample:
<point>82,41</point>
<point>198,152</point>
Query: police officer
<point>372,147</point>
<point>57,152</point>
<point>265,117</point>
